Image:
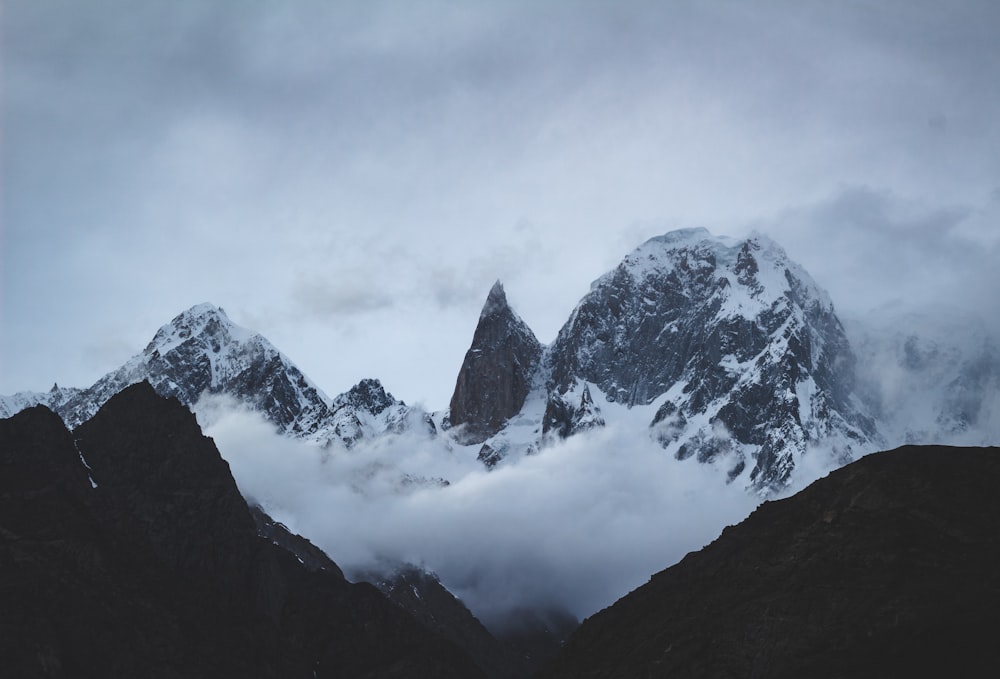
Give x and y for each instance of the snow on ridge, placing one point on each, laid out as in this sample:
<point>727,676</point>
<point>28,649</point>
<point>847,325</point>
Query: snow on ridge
<point>22,400</point>
<point>660,255</point>
<point>201,320</point>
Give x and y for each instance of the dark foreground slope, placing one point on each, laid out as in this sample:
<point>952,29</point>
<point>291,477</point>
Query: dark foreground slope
<point>127,550</point>
<point>888,567</point>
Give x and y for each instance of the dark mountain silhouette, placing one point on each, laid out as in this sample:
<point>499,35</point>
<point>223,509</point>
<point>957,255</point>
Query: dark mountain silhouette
<point>885,568</point>
<point>126,550</point>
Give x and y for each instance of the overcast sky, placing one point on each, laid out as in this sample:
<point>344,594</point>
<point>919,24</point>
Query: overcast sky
<point>349,178</point>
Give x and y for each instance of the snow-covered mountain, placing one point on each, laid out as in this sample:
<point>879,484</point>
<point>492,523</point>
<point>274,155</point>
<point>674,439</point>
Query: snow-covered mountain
<point>202,352</point>
<point>720,349</point>
<point>728,346</point>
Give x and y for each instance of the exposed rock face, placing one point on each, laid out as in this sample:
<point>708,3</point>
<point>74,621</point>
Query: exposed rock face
<point>497,373</point>
<point>490,456</point>
<point>126,550</point>
<point>564,419</point>
<point>887,567</point>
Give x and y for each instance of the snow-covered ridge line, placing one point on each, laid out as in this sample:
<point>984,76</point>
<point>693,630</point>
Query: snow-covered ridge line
<point>201,352</point>
<point>740,350</point>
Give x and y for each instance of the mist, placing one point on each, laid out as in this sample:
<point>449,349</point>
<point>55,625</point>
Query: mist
<point>575,526</point>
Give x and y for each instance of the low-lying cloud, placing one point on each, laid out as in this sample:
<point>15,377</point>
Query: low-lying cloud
<point>576,526</point>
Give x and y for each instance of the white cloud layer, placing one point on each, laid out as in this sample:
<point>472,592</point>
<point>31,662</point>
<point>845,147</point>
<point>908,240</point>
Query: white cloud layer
<point>576,526</point>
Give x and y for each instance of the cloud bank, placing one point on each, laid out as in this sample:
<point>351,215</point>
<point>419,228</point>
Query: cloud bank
<point>575,527</point>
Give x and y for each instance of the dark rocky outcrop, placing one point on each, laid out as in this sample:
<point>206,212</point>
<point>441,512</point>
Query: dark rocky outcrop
<point>368,394</point>
<point>126,550</point>
<point>564,419</point>
<point>489,456</point>
<point>885,568</point>
<point>497,372</point>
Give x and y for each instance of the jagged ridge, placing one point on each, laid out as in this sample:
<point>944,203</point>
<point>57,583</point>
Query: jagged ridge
<point>202,352</point>
<point>131,553</point>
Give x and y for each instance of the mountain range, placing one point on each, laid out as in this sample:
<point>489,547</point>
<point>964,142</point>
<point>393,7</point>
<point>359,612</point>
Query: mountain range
<point>126,549</point>
<point>719,351</point>
<point>202,352</point>
<point>725,349</point>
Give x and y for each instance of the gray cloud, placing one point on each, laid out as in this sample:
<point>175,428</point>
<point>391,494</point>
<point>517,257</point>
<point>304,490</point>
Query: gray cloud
<point>259,155</point>
<point>346,294</point>
<point>871,248</point>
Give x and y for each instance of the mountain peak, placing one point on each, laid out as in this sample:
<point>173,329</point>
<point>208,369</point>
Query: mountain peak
<point>736,333</point>
<point>680,237</point>
<point>496,301</point>
<point>201,315</point>
<point>368,394</point>
<point>204,309</point>
<point>497,372</point>
<point>203,320</point>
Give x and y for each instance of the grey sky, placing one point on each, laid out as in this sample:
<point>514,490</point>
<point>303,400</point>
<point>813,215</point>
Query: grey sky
<point>349,178</point>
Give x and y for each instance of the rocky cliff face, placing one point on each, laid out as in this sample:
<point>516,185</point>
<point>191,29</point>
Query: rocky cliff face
<point>496,375</point>
<point>887,567</point>
<point>126,550</point>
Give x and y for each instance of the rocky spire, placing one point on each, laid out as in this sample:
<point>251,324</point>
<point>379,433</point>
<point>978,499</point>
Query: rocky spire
<point>497,372</point>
